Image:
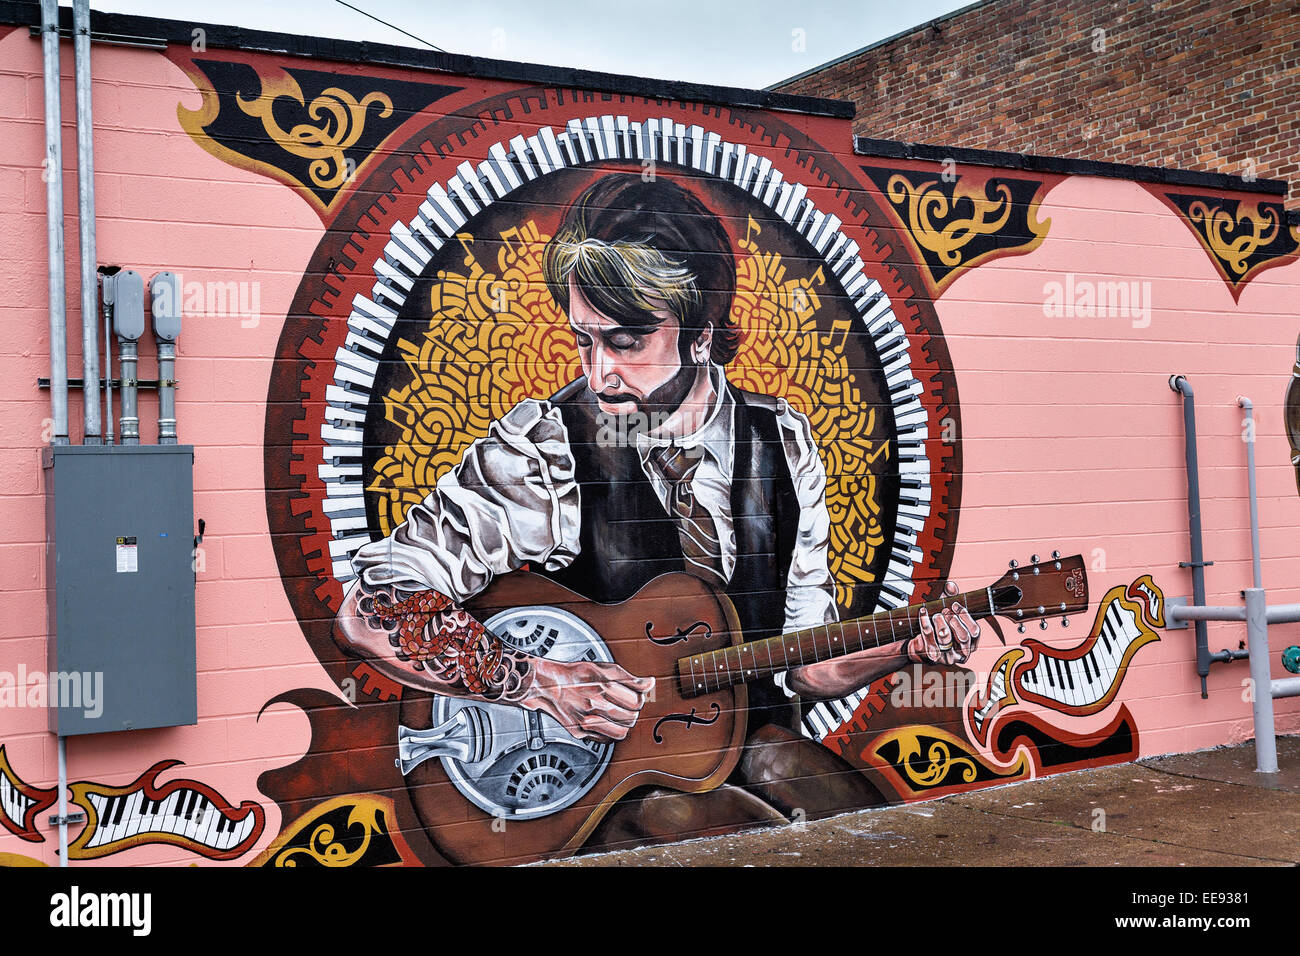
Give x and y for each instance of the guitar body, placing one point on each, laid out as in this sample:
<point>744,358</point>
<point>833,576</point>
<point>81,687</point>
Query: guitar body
<point>496,783</point>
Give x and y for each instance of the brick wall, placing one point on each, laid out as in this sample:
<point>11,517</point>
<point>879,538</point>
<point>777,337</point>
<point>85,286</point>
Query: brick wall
<point>1190,84</point>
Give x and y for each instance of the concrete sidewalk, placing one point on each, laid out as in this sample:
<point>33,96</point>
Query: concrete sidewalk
<point>1208,808</point>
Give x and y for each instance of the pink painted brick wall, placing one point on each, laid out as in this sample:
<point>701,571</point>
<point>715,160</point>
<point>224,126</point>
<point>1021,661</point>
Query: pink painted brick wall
<point>1070,436</point>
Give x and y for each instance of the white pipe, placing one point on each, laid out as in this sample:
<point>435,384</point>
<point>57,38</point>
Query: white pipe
<point>53,175</point>
<point>63,800</point>
<point>86,215</point>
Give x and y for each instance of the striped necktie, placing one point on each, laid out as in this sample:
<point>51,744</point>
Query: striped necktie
<point>695,526</point>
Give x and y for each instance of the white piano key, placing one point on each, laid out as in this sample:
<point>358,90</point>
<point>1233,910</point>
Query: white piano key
<point>99,804</point>
<point>131,819</point>
<point>712,147</point>
<point>336,436</point>
<point>695,137</point>
<point>395,251</point>
<point>519,152</point>
<point>338,506</point>
<point>212,816</point>
<point>746,170</point>
<point>459,189</point>
<point>446,216</point>
<point>344,488</point>
<point>609,135</point>
<point>773,187</point>
<point>791,201</point>
<point>763,172</point>
<point>831,238</point>
<point>350,413</point>
<point>474,178</point>
<point>381,314</point>
<point>816,722</point>
<point>341,546</point>
<point>345,523</point>
<point>538,155</point>
<point>504,167</point>
<point>168,821</point>
<point>626,142</point>
<point>333,472</point>
<point>345,373</point>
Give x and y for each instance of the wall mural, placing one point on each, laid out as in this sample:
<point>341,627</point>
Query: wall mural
<point>613,467</point>
<point>606,444</point>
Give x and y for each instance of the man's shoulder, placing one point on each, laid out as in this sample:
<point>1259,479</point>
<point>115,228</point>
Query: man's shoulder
<point>769,407</point>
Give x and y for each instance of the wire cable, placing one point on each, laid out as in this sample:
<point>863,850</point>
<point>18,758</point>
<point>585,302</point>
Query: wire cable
<point>391,27</point>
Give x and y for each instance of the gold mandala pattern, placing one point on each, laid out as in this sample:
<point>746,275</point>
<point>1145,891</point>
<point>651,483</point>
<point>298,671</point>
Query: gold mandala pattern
<point>497,337</point>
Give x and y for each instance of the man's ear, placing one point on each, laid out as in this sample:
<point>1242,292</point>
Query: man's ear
<point>703,344</point>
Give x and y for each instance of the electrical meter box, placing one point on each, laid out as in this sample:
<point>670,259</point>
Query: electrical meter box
<point>120,574</point>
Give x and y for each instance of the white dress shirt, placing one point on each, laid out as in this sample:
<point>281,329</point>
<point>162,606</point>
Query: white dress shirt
<point>513,499</point>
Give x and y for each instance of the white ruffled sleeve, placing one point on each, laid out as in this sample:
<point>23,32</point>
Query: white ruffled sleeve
<point>511,500</point>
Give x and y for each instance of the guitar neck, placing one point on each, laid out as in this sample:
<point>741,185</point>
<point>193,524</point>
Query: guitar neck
<point>754,660</point>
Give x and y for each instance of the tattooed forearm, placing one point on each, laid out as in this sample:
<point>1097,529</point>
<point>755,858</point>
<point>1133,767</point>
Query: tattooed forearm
<point>427,632</point>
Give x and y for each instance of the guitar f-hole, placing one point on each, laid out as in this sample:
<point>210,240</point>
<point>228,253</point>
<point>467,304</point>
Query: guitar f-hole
<point>681,635</point>
<point>687,719</point>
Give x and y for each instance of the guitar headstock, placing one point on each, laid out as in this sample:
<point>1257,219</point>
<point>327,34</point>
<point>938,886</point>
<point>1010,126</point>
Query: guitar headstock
<point>1055,587</point>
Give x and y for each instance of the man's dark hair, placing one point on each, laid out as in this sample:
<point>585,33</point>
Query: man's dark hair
<point>633,247</point>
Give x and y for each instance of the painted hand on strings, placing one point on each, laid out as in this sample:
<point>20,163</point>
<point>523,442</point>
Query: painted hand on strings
<point>947,639</point>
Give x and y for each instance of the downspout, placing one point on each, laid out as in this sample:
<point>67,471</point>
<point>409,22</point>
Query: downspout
<point>53,175</point>
<point>86,217</point>
<point>1180,384</point>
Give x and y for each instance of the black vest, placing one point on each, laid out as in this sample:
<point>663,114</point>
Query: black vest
<point>627,537</point>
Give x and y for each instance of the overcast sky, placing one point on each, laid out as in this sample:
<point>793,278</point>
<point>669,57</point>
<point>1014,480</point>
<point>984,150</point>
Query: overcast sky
<point>745,43</point>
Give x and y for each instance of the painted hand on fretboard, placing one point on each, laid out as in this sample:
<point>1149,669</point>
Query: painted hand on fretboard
<point>950,638</point>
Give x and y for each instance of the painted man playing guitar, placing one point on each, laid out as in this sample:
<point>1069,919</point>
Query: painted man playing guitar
<point>723,484</point>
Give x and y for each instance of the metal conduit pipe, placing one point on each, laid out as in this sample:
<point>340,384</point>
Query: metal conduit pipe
<point>1261,683</point>
<point>1180,385</point>
<point>54,222</point>
<point>1182,613</point>
<point>86,216</point>
<point>1244,403</point>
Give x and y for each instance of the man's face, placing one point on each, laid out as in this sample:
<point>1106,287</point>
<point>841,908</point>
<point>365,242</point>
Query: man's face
<point>630,368</point>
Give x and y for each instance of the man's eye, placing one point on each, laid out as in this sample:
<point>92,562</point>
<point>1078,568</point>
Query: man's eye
<point>584,341</point>
<point>622,340</point>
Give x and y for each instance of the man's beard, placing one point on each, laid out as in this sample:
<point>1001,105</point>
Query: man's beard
<point>664,400</point>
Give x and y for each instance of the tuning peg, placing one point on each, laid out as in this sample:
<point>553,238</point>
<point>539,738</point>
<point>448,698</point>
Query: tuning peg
<point>1020,628</point>
<point>1056,554</point>
<point>1033,558</point>
<point>1013,564</point>
<point>1042,624</point>
<point>1065,622</point>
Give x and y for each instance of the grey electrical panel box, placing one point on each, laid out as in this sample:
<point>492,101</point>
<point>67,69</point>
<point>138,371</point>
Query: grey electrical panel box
<point>119,542</point>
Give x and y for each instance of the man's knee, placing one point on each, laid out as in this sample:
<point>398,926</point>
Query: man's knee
<point>793,773</point>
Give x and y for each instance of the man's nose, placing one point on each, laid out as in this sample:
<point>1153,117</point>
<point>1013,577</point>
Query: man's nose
<point>604,374</point>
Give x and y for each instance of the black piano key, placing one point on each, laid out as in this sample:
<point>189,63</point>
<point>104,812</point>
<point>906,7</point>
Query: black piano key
<point>185,803</point>
<point>1069,672</point>
<point>1089,665</point>
<point>1030,678</point>
<point>119,804</point>
<point>1051,679</point>
<point>223,823</point>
